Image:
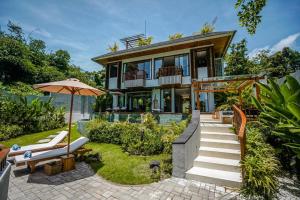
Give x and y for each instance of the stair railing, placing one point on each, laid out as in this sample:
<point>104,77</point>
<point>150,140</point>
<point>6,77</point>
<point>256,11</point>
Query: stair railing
<point>239,124</point>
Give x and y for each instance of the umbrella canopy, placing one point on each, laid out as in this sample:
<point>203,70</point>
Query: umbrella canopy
<point>70,86</point>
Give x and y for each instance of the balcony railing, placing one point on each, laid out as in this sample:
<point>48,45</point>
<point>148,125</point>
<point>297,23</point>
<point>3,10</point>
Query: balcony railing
<point>135,78</point>
<point>170,75</point>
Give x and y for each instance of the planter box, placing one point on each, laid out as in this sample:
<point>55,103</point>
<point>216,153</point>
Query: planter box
<point>53,167</point>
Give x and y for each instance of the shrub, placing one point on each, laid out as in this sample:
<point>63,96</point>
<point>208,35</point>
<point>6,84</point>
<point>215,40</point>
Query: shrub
<point>10,131</point>
<point>137,139</point>
<point>33,116</point>
<point>261,167</point>
<point>105,132</point>
<point>141,141</point>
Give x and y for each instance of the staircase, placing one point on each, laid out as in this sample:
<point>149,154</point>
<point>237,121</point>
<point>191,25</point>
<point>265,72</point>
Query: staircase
<point>218,161</point>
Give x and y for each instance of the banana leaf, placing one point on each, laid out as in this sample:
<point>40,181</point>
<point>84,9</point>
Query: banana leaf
<point>293,83</point>
<point>295,97</point>
<point>276,90</point>
<point>294,108</point>
<point>257,104</point>
<point>295,147</point>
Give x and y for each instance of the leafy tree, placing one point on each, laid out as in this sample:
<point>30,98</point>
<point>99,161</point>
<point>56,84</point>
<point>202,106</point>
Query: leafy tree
<point>207,28</point>
<point>16,31</point>
<point>37,52</point>
<point>249,13</point>
<point>113,48</point>
<point>60,59</point>
<point>175,36</point>
<point>237,60</point>
<point>145,41</point>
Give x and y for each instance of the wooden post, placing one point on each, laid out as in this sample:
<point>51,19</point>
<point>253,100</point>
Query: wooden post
<point>197,99</point>
<point>257,89</point>
<point>70,122</point>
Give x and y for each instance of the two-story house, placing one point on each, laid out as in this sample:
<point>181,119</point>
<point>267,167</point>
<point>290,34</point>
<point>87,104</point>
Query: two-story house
<point>158,77</point>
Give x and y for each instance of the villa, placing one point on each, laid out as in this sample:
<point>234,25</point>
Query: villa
<point>158,77</point>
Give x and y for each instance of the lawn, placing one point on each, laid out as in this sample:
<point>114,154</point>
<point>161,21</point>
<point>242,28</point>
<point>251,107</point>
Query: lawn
<point>117,166</point>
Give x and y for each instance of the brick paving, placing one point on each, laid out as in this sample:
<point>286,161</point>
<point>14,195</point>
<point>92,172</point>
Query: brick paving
<point>83,183</point>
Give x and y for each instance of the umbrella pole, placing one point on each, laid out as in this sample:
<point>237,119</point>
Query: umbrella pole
<point>70,122</point>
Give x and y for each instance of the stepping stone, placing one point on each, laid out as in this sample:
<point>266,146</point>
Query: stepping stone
<point>51,136</point>
<point>43,141</point>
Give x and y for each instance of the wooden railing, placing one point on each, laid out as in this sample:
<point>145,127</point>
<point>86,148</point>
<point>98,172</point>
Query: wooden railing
<point>239,123</point>
<point>3,156</point>
<point>169,71</point>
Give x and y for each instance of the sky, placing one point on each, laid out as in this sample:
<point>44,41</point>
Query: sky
<point>85,28</point>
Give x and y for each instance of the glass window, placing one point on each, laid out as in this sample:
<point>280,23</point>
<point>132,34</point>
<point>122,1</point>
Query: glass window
<point>147,68</point>
<point>157,65</point>
<point>182,61</point>
<point>167,100</point>
<point>113,70</point>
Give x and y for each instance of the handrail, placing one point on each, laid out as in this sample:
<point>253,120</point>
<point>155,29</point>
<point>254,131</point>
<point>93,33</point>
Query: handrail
<point>239,123</point>
<point>3,155</point>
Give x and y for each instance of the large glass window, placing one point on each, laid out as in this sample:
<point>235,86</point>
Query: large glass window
<point>157,65</point>
<point>167,100</point>
<point>134,67</point>
<point>182,61</point>
<point>113,70</point>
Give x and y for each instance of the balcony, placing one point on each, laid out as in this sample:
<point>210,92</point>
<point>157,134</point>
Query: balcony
<point>135,79</point>
<point>170,75</point>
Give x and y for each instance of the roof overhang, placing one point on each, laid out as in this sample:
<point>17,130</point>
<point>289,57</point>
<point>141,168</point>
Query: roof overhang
<point>219,40</point>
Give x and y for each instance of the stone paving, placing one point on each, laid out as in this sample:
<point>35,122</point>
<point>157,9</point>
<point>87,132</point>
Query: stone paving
<point>83,183</point>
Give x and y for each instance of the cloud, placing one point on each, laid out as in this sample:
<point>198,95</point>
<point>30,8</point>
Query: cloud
<point>74,45</point>
<point>289,41</point>
<point>256,51</point>
<point>285,42</point>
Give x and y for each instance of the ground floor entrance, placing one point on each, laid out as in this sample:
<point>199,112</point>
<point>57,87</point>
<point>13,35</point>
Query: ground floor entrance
<point>162,100</point>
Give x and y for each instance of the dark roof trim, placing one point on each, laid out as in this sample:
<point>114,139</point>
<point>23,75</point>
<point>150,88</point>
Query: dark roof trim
<point>166,43</point>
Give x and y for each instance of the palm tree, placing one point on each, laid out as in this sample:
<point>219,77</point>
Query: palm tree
<point>175,36</point>
<point>207,28</point>
<point>145,41</point>
<point>113,48</point>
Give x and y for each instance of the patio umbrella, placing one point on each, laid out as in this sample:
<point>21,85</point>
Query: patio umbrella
<point>70,86</point>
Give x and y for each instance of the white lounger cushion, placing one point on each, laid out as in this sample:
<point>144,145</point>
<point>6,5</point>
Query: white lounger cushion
<point>53,153</point>
<point>57,139</point>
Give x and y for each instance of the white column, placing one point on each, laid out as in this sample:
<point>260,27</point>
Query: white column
<point>192,98</point>
<point>115,101</point>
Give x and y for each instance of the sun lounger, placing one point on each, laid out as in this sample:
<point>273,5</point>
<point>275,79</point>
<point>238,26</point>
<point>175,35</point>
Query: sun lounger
<point>40,147</point>
<point>49,154</point>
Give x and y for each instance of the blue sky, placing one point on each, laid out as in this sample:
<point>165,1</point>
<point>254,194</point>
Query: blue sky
<point>86,27</point>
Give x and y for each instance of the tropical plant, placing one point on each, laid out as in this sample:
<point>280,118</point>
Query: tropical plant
<point>145,41</point>
<point>280,110</point>
<point>207,28</point>
<point>175,36</point>
<point>260,165</point>
<point>114,47</point>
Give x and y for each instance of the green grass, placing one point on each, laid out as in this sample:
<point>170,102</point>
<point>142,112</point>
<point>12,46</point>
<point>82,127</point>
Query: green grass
<point>34,137</point>
<point>120,167</point>
<point>116,166</point>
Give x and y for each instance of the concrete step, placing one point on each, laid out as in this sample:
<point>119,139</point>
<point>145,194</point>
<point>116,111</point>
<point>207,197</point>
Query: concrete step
<point>218,135</point>
<point>232,165</point>
<point>213,176</point>
<point>217,143</point>
<point>220,152</point>
<point>216,127</point>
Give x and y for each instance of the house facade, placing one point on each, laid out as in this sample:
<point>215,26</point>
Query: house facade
<point>158,77</point>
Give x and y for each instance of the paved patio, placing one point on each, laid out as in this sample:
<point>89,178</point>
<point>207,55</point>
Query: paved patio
<point>83,183</point>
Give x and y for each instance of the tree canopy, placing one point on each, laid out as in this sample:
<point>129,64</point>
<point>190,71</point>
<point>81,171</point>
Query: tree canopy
<point>27,61</point>
<point>276,64</point>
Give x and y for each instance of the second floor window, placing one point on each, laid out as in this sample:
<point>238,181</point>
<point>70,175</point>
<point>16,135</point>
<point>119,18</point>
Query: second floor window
<point>157,65</point>
<point>182,61</point>
<point>113,70</point>
<point>134,67</point>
